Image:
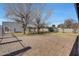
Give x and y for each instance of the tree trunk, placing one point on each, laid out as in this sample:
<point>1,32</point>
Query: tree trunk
<point>63,30</point>
<point>24,31</point>
<point>74,30</point>
<point>29,29</point>
<point>34,30</point>
<point>38,30</point>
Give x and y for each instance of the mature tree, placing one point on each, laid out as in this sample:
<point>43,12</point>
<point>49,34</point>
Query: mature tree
<point>50,29</point>
<point>58,26</point>
<point>75,27</point>
<point>26,14</point>
<point>68,23</point>
<point>40,18</point>
<point>20,13</point>
<point>61,26</point>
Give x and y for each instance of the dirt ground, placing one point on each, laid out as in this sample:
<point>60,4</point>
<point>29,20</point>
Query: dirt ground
<point>51,44</point>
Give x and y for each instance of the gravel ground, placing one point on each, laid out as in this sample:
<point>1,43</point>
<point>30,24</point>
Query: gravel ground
<point>42,45</point>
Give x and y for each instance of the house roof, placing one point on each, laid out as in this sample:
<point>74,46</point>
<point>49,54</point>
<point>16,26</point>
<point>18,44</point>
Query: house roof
<point>15,23</point>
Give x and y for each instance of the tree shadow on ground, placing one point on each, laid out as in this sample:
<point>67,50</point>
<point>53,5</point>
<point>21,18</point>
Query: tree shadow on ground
<point>6,37</point>
<point>18,51</point>
<point>10,42</point>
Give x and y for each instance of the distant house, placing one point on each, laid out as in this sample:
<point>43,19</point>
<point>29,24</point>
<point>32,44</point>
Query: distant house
<point>16,27</point>
<point>11,27</point>
<point>67,30</point>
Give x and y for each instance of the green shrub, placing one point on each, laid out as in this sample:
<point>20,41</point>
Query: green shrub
<point>51,29</point>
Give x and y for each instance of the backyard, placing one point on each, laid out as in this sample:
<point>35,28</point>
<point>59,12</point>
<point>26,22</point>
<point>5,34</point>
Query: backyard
<point>45,44</point>
<point>39,29</point>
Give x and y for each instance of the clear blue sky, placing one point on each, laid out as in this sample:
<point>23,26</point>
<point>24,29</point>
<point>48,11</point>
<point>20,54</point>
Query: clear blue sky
<point>60,12</point>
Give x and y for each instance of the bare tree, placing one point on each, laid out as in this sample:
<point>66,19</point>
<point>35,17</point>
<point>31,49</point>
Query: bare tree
<point>62,27</point>
<point>68,23</point>
<point>39,20</point>
<point>20,13</point>
<point>75,27</point>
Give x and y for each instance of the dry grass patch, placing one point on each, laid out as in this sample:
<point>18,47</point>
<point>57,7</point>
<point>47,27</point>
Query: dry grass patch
<point>50,44</point>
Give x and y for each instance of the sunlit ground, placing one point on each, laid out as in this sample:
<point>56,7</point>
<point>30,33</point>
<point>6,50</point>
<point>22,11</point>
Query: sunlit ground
<point>58,34</point>
<point>49,43</point>
<point>42,44</point>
